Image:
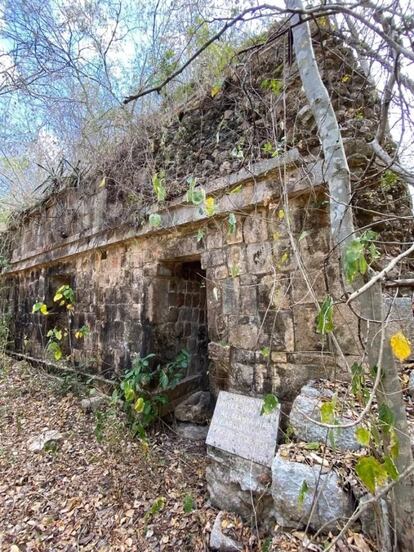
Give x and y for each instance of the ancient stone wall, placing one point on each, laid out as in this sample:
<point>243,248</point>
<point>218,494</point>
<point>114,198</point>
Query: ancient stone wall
<point>194,281</point>
<point>241,297</point>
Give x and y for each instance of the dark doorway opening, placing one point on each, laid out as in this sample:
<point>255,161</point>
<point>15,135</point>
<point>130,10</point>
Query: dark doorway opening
<point>183,324</point>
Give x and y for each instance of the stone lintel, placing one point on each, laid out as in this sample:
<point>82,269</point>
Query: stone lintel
<point>257,189</point>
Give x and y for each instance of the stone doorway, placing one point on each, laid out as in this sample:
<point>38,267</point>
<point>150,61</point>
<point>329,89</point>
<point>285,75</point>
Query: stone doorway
<point>181,320</point>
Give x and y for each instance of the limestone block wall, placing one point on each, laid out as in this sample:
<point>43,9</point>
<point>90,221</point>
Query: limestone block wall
<point>242,298</point>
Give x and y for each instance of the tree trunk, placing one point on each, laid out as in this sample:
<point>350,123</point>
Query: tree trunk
<point>336,173</point>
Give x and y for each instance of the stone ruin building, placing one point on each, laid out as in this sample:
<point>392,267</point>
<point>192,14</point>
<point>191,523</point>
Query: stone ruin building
<point>237,288</point>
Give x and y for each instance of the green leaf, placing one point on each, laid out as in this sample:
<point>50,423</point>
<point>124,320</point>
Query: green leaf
<point>270,402</point>
<point>355,258</point>
<point>237,152</point>
<point>394,445</point>
<point>163,380</point>
<point>129,393</point>
<point>265,352</point>
<point>324,319</point>
<point>156,507</point>
<point>274,85</point>
<point>304,489</point>
<point>236,189</point>
<point>353,254</point>
<point>196,197</point>
<point>155,220</point>
<point>362,265</point>
<point>386,417</point>
<point>234,271</point>
<point>158,184</point>
<point>363,436</point>
<point>231,223</point>
<point>328,412</point>
<point>390,467</point>
<point>312,446</point>
<point>188,504</point>
<point>303,235</point>
<point>55,349</point>
<point>371,472</point>
<point>200,235</point>
<point>39,307</point>
<point>357,381</point>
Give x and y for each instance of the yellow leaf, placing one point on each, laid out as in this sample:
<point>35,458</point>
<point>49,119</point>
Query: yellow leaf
<point>215,90</point>
<point>70,307</point>
<point>284,258</point>
<point>210,206</point>
<point>281,214</point>
<point>43,309</point>
<point>77,335</point>
<point>102,183</point>
<point>139,405</point>
<point>400,345</point>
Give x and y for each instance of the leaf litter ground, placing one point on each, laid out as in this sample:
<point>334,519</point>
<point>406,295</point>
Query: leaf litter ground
<point>101,489</point>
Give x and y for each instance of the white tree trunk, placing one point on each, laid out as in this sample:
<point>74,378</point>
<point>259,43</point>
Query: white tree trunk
<point>337,176</point>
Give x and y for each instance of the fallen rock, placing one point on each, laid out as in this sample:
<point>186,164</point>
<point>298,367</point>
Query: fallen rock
<point>374,521</point>
<point>308,403</point>
<point>294,488</point>
<point>38,443</point>
<point>92,404</point>
<point>240,486</point>
<point>192,431</point>
<point>221,542</point>
<point>195,408</point>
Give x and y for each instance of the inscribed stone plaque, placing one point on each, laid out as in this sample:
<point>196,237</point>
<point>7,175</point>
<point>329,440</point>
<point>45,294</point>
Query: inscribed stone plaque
<point>239,428</point>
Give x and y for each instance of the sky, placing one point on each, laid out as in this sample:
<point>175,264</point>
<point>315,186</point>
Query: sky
<point>44,130</point>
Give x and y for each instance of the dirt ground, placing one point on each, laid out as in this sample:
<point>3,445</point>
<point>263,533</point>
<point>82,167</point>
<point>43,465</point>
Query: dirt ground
<point>100,488</point>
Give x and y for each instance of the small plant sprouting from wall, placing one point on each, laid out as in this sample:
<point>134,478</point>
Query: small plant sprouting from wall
<point>57,336</point>
<point>143,388</point>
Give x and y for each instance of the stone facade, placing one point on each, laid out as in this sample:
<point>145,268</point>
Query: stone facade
<point>234,296</point>
<point>241,297</point>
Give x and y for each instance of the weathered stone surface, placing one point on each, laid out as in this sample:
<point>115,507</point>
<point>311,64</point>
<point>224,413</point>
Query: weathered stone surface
<point>372,519</point>
<point>219,371</point>
<point>307,405</point>
<point>38,443</point>
<point>233,482</point>
<point>244,336</point>
<point>255,228</point>
<point>259,258</point>
<point>92,404</point>
<point>238,427</point>
<point>221,542</point>
<point>411,384</point>
<point>306,338</point>
<point>195,409</point>
<point>333,504</point>
<point>241,377</point>
<point>193,432</point>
